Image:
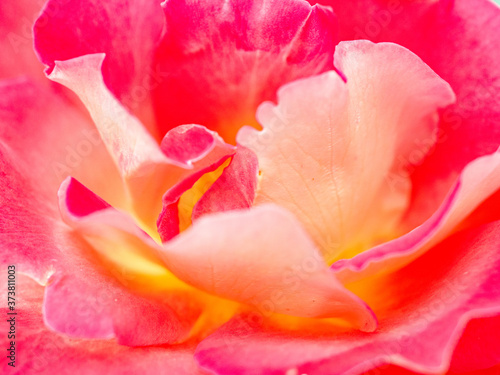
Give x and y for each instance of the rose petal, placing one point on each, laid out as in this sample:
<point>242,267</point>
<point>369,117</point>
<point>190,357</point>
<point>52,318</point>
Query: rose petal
<point>232,267</point>
<point>40,351</point>
<point>145,169</point>
<point>127,31</point>
<point>222,66</point>
<point>423,310</point>
<point>18,57</point>
<point>478,348</point>
<point>334,145</point>
<point>455,39</point>
<point>45,149</point>
<point>479,180</point>
<point>83,299</point>
<point>234,189</point>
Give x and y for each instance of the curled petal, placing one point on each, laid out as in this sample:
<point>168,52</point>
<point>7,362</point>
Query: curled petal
<point>126,31</point>
<point>329,148</point>
<point>423,310</point>
<point>479,180</point>
<point>145,169</point>
<point>40,351</point>
<point>293,279</point>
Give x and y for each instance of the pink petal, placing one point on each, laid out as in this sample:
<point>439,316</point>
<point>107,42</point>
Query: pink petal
<point>235,188</point>
<point>83,299</point>
<point>168,223</point>
<point>454,38</point>
<point>423,311</point>
<point>293,279</point>
<point>224,58</point>
<point>127,31</point>
<point>16,44</point>
<point>232,266</point>
<point>40,351</point>
<point>145,169</point>
<point>45,149</point>
<point>328,148</point>
<point>479,180</point>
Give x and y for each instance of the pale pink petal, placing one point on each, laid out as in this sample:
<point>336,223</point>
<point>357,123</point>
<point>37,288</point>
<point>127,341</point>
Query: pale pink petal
<point>422,309</point>
<point>126,31</point>
<point>234,189</point>
<point>231,267</point>
<point>223,58</point>
<point>188,144</point>
<point>223,254</point>
<point>328,148</point>
<point>479,180</point>
<point>40,351</point>
<point>145,169</point>
<point>456,39</point>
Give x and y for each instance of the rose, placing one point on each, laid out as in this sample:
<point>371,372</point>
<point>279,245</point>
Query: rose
<point>107,279</point>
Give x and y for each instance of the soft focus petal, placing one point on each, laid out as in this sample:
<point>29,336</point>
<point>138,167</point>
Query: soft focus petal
<point>423,310</point>
<point>478,348</point>
<point>16,44</point>
<point>40,351</point>
<point>457,40</point>
<point>479,180</point>
<point>232,265</point>
<point>223,58</point>
<point>126,31</point>
<point>328,148</point>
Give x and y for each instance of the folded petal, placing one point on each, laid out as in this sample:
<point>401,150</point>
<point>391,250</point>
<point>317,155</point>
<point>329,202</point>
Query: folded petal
<point>234,189</point>
<point>479,180</point>
<point>126,31</point>
<point>40,351</point>
<point>219,68</point>
<point>84,297</point>
<point>225,185</point>
<point>292,280</point>
<point>145,169</point>
<point>328,148</point>
<point>45,149</point>
<point>423,310</point>
<point>455,39</point>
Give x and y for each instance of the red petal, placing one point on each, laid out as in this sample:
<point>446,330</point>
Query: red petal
<point>127,31</point>
<point>224,58</point>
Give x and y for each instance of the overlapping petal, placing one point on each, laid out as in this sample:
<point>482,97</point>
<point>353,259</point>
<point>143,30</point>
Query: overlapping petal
<point>456,39</point>
<point>329,147</point>
<point>223,58</point>
<point>478,181</point>
<point>40,351</point>
<point>145,169</point>
<point>423,310</point>
<point>126,31</point>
